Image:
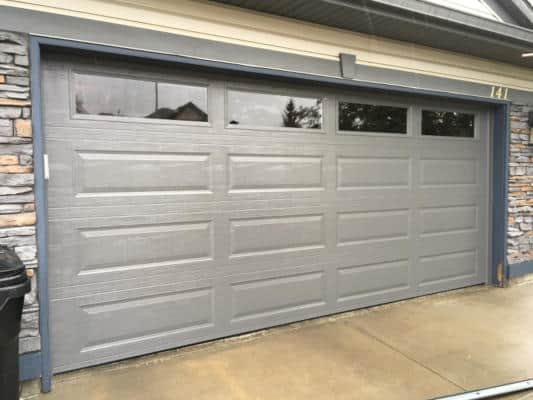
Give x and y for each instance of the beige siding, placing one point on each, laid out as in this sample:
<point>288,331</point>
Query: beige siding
<point>229,24</point>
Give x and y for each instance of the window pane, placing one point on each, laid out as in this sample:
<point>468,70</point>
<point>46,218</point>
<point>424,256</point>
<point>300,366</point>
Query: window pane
<point>372,118</point>
<point>181,102</point>
<point>124,97</point>
<point>445,123</point>
<point>106,95</point>
<point>268,110</point>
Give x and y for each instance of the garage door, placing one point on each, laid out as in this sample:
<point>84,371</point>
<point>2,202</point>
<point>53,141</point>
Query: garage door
<point>187,206</point>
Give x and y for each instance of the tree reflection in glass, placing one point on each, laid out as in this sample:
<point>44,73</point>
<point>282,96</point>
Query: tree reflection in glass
<point>372,118</point>
<point>275,111</point>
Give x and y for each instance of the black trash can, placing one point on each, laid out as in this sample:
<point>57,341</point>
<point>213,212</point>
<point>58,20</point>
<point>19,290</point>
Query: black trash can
<point>14,284</point>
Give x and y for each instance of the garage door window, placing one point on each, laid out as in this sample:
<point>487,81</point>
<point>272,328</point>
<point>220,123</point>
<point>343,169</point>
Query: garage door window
<point>125,97</point>
<point>251,109</point>
<point>447,123</point>
<point>360,117</point>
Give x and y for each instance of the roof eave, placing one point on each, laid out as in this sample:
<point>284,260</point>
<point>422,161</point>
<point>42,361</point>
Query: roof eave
<point>412,21</point>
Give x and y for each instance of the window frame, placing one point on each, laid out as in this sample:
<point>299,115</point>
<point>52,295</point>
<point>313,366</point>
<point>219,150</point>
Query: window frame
<point>376,101</point>
<point>275,91</point>
<point>449,108</point>
<point>140,77</point>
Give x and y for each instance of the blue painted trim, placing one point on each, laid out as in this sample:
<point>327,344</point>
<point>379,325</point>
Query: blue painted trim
<point>37,43</point>
<point>520,269</point>
<point>500,173</point>
<point>30,366</point>
<point>41,210</point>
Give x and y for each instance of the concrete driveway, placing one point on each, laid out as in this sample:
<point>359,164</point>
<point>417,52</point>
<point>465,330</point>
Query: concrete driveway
<point>416,349</point>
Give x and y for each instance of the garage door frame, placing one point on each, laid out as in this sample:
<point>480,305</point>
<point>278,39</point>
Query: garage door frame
<point>498,156</point>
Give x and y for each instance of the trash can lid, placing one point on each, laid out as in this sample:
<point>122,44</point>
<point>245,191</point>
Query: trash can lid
<point>10,263</point>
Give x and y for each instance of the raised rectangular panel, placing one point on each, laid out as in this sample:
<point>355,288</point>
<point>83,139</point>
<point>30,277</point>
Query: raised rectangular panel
<point>447,266</point>
<point>358,281</point>
<point>448,242</point>
<point>355,172</point>
<point>448,219</point>
<point>373,252</point>
<point>266,297</point>
<point>447,172</point>
<point>254,236</point>
<point>128,247</point>
<point>124,322</point>
<point>284,173</point>
<point>111,173</point>
<point>360,226</point>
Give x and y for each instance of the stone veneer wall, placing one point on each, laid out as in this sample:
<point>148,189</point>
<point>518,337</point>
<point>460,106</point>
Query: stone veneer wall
<point>17,207</point>
<point>520,233</point>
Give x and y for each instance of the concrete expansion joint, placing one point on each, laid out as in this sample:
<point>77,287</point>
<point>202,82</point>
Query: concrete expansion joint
<point>414,360</point>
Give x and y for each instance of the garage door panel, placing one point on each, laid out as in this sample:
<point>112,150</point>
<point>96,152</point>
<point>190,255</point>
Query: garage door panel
<point>448,172</point>
<point>448,242</point>
<point>141,173</point>
<point>167,232</point>
<point>353,227</point>
<point>299,293</point>
<point>449,196</point>
<point>259,173</point>
<point>85,176</point>
<point>98,250</point>
<point>365,172</point>
<point>373,199</point>
<point>266,235</point>
<point>108,326</point>
<point>253,299</point>
<point>448,219</point>
<point>372,252</point>
<point>442,267</point>
<point>146,316</point>
<point>355,282</point>
<point>122,248</point>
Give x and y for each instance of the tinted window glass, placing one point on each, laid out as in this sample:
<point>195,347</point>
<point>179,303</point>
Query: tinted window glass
<point>445,123</point>
<point>372,118</point>
<point>268,110</point>
<point>124,97</point>
<point>104,95</point>
<point>182,102</point>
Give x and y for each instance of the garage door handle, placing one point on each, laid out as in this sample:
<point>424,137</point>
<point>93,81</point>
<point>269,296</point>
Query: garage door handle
<point>46,167</point>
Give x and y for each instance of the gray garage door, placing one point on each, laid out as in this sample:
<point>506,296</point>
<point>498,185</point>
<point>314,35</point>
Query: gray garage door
<point>189,206</point>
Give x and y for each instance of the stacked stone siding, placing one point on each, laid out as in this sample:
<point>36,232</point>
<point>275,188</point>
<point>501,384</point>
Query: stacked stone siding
<point>520,233</point>
<point>17,207</point>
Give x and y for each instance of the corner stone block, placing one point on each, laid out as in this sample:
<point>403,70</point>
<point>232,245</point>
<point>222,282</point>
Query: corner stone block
<point>16,179</point>
<point>22,219</point>
<point>23,127</point>
<point>22,60</point>
<point>12,37</point>
<point>10,112</point>
<point>6,127</point>
<point>9,160</point>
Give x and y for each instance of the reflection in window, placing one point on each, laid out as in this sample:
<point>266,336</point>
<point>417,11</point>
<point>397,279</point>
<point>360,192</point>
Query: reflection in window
<point>269,110</point>
<point>124,97</point>
<point>372,118</point>
<point>445,123</point>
